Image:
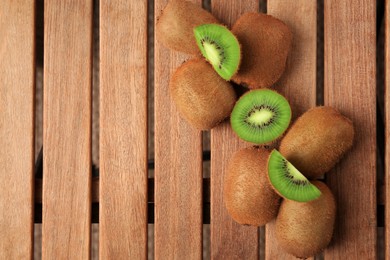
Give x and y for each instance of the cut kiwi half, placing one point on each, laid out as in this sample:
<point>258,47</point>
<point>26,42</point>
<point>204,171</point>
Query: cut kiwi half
<point>220,47</point>
<point>260,116</point>
<point>288,181</point>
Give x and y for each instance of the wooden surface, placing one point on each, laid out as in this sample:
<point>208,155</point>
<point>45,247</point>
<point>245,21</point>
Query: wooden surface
<point>298,83</point>
<point>229,240</point>
<point>67,130</point>
<point>350,43</point>
<point>123,130</point>
<point>349,86</point>
<point>387,130</point>
<point>178,171</point>
<point>16,128</point>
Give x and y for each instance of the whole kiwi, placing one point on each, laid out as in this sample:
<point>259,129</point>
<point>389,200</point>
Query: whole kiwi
<point>201,96</point>
<point>317,141</point>
<point>248,195</point>
<point>304,229</point>
<point>265,44</point>
<point>175,26</point>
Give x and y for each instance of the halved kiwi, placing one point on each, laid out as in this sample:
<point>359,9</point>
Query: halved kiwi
<point>175,26</point>
<point>260,116</point>
<point>288,181</point>
<point>220,47</point>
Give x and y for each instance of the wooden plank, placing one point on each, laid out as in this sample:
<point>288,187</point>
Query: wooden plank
<point>67,130</point>
<point>123,129</point>
<point>178,171</point>
<point>350,50</point>
<point>387,131</point>
<point>229,240</point>
<point>16,128</point>
<point>298,83</point>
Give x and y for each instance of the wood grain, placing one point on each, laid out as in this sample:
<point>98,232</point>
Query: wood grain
<point>123,130</point>
<point>67,130</point>
<point>350,42</point>
<point>298,83</point>
<point>229,240</point>
<point>178,171</point>
<point>387,131</point>
<point>16,128</point>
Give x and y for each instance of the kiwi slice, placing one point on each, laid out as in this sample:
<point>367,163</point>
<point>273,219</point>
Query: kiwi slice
<point>288,181</point>
<point>220,47</point>
<point>174,28</point>
<point>260,116</point>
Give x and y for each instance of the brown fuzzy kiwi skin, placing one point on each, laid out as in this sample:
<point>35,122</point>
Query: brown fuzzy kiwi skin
<point>201,96</point>
<point>248,195</point>
<point>305,229</point>
<point>317,141</point>
<point>266,42</point>
<point>175,25</point>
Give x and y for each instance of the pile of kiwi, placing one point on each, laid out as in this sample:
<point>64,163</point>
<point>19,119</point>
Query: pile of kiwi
<point>253,53</point>
<point>261,184</point>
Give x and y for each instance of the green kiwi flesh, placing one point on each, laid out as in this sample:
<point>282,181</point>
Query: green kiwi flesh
<point>220,47</point>
<point>317,141</point>
<point>265,43</point>
<point>260,116</point>
<point>305,229</point>
<point>202,97</point>
<point>248,195</point>
<point>288,181</point>
<point>174,28</point>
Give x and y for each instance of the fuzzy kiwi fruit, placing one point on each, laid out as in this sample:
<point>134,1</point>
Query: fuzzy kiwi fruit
<point>220,47</point>
<point>202,97</point>
<point>248,196</point>
<point>265,43</point>
<point>305,229</point>
<point>260,116</point>
<point>288,181</point>
<point>175,26</point>
<point>317,141</point>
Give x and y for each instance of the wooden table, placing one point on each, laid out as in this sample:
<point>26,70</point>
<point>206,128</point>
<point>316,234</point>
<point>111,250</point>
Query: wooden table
<point>178,200</point>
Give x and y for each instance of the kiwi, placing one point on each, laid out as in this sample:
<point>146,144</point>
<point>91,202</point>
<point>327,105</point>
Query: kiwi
<point>265,42</point>
<point>305,229</point>
<point>317,141</point>
<point>175,25</point>
<point>202,97</point>
<point>288,181</point>
<point>260,116</point>
<point>220,47</point>
<point>248,195</point>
